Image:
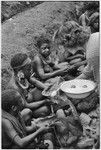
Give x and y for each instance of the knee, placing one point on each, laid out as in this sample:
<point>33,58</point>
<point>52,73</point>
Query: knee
<point>26,114</point>
<point>42,112</point>
<point>60,113</point>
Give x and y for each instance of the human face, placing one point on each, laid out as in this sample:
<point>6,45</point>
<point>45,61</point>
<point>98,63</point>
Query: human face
<point>67,37</point>
<point>96,24</point>
<point>45,49</point>
<point>28,119</point>
<point>20,102</point>
<point>27,70</point>
<point>15,110</point>
<point>17,107</point>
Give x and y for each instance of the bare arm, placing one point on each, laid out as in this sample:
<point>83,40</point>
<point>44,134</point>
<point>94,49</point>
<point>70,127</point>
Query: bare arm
<point>87,72</point>
<point>75,56</point>
<point>35,105</point>
<point>82,19</point>
<point>13,135</point>
<point>37,83</point>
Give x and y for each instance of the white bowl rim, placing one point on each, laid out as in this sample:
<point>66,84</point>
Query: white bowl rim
<point>64,82</point>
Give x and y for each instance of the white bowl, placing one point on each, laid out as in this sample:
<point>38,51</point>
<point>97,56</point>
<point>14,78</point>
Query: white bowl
<point>78,88</point>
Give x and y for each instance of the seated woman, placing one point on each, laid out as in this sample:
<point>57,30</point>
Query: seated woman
<point>71,38</point>
<point>15,134</point>
<point>30,88</point>
<point>43,64</point>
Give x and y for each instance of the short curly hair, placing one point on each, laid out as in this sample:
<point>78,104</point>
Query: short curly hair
<point>9,98</point>
<point>71,34</point>
<point>18,59</point>
<point>41,40</point>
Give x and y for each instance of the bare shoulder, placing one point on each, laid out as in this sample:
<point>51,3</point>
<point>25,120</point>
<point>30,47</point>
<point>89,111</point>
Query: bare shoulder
<point>37,60</point>
<point>6,123</point>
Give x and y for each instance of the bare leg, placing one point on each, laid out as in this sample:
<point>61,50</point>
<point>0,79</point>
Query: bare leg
<point>41,112</point>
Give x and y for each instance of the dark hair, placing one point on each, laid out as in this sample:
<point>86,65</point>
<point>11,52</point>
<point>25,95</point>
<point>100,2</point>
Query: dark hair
<point>10,97</point>
<point>41,40</point>
<point>93,17</point>
<point>18,59</point>
<point>76,35</point>
<point>92,5</point>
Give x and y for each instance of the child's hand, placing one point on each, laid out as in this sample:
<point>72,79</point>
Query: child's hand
<point>44,127</point>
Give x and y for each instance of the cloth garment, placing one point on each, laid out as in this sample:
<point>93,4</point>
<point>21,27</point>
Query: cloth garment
<point>19,130</point>
<point>92,56</point>
<point>93,53</point>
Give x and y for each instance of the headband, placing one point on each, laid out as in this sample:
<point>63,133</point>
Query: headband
<point>26,62</point>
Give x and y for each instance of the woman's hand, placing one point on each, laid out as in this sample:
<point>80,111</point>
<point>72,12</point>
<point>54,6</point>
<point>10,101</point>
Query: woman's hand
<point>62,65</point>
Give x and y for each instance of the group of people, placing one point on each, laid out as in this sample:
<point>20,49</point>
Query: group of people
<point>23,99</point>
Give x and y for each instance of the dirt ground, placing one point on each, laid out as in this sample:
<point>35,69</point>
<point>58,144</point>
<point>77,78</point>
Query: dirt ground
<point>18,33</point>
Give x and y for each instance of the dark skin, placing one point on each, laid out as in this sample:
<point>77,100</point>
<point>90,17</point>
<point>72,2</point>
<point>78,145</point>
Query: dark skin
<point>58,70</point>
<point>11,132</point>
<point>27,72</point>
<point>39,104</point>
<point>95,26</point>
<point>71,119</point>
